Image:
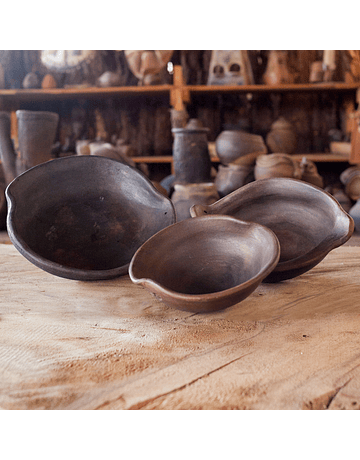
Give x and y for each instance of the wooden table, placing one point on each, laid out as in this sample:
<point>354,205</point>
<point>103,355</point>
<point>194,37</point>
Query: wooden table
<point>110,345</point>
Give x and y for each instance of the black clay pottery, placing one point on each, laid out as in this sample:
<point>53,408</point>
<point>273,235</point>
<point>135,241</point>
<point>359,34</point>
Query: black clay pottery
<point>205,264</point>
<point>308,221</point>
<point>83,217</point>
<point>191,158</point>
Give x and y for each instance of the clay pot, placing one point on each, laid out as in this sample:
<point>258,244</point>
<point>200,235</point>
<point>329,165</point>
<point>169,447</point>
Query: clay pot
<point>277,71</point>
<point>275,165</point>
<point>191,158</point>
<point>309,173</point>
<point>205,264</point>
<point>282,137</point>
<point>36,134</point>
<point>350,178</point>
<point>308,221</point>
<point>230,145</point>
<point>48,82</point>
<point>186,195</point>
<point>83,217</point>
<point>31,81</point>
<point>231,177</point>
<point>108,79</point>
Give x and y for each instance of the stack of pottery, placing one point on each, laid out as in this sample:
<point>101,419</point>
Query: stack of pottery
<point>282,137</point>
<point>350,178</point>
<point>276,165</point>
<point>237,151</point>
<point>192,169</point>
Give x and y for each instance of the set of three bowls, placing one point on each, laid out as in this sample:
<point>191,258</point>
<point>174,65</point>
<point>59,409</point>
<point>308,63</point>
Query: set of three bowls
<point>90,218</point>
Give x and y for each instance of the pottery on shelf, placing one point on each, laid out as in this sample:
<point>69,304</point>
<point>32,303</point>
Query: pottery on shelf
<point>350,178</point>
<point>36,135</point>
<point>191,157</point>
<point>109,78</point>
<point>189,267</point>
<point>48,82</point>
<point>186,195</point>
<point>309,173</point>
<point>83,217</point>
<point>277,71</point>
<point>282,137</point>
<point>275,165</point>
<point>31,81</point>
<point>233,144</point>
<point>231,177</point>
<point>308,221</point>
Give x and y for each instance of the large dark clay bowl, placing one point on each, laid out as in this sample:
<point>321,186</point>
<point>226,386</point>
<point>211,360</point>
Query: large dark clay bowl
<point>308,221</point>
<point>205,264</point>
<point>84,217</point>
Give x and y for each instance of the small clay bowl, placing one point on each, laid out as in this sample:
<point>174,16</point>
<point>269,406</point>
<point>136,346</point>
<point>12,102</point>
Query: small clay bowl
<point>308,221</point>
<point>205,264</point>
<point>83,217</point>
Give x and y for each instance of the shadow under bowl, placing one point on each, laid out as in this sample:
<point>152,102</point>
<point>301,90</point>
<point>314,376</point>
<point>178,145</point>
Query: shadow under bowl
<point>307,221</point>
<point>83,217</point>
<point>205,264</point>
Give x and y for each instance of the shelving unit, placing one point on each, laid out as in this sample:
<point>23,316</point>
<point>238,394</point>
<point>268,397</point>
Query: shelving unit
<point>179,95</point>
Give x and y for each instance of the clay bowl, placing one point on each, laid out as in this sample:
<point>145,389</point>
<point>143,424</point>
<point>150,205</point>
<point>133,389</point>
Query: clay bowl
<point>83,217</point>
<point>308,221</point>
<point>205,264</point>
<point>231,145</point>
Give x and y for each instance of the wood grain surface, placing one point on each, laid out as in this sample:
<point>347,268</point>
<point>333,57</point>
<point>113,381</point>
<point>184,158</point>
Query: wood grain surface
<point>110,345</point>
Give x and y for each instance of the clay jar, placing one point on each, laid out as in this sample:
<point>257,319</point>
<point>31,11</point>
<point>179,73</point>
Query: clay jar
<point>350,178</point>
<point>282,137</point>
<point>232,144</point>
<point>231,177</point>
<point>275,165</point>
<point>36,132</point>
<point>191,158</point>
<point>186,195</point>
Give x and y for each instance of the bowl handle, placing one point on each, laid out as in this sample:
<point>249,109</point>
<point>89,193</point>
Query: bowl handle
<point>198,210</point>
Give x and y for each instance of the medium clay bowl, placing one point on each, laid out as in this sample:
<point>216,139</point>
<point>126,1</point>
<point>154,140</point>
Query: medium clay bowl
<point>83,217</point>
<point>205,264</point>
<point>308,221</point>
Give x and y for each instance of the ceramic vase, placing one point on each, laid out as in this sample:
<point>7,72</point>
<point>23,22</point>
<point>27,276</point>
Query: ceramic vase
<point>282,137</point>
<point>191,158</point>
<point>231,177</point>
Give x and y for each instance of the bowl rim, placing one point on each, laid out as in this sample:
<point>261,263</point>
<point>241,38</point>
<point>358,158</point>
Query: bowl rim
<point>54,267</point>
<point>200,298</point>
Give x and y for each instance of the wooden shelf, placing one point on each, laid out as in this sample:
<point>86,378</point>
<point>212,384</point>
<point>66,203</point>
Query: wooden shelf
<point>333,86</point>
<point>77,92</point>
<point>315,157</point>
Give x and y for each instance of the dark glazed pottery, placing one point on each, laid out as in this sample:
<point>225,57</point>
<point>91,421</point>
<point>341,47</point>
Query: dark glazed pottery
<point>308,221</point>
<point>36,134</point>
<point>191,158</point>
<point>83,217</point>
<point>205,264</point>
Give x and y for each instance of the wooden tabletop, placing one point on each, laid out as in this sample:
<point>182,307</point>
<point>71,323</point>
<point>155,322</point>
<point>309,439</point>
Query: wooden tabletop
<point>110,345</point>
